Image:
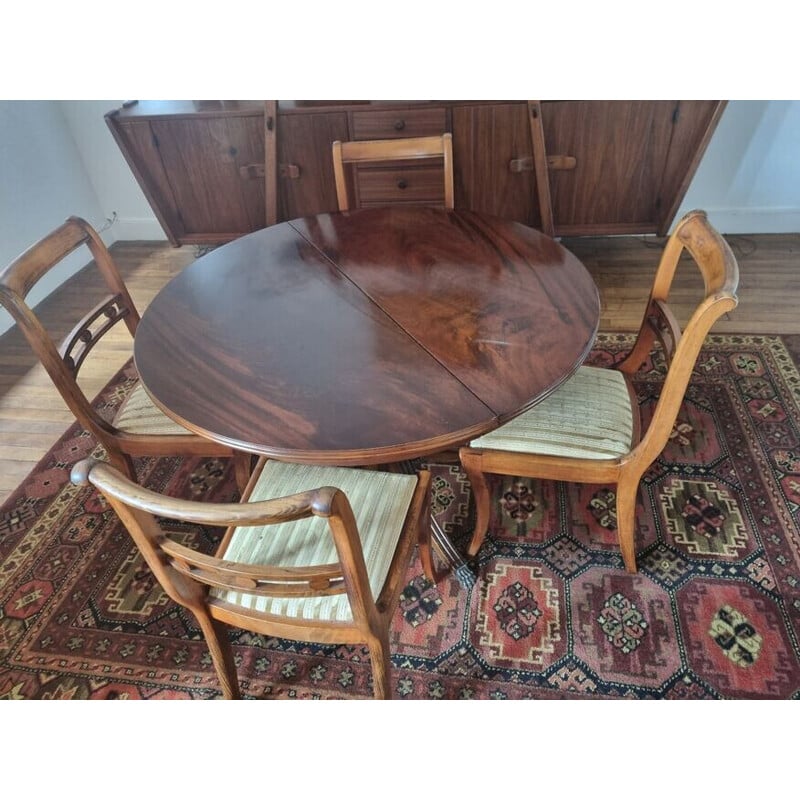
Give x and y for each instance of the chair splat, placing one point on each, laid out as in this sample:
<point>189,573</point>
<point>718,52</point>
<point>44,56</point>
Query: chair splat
<point>85,335</point>
<point>665,327</point>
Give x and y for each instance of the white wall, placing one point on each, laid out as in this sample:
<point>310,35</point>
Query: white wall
<point>749,178</point>
<point>109,173</point>
<point>42,182</point>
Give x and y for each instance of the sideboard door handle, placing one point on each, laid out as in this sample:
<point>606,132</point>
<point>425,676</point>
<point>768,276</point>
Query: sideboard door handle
<point>553,162</point>
<point>289,171</point>
<point>251,171</point>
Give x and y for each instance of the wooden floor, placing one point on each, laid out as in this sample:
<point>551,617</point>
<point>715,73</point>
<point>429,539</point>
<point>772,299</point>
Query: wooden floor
<point>33,416</point>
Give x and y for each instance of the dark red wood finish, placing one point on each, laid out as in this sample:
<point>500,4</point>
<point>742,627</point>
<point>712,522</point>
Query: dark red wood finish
<point>614,166</point>
<point>367,337</point>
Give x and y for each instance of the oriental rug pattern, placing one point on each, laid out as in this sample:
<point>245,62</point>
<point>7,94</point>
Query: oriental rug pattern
<point>714,611</point>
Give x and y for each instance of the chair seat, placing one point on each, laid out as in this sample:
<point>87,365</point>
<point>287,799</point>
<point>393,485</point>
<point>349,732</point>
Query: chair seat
<point>139,415</point>
<point>588,416</point>
<point>380,503</point>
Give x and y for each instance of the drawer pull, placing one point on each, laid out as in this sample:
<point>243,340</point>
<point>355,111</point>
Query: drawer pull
<point>400,124</point>
<point>402,184</point>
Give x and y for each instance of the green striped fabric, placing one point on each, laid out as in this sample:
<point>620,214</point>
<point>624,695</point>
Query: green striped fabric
<point>589,416</point>
<point>139,415</point>
<point>380,503</point>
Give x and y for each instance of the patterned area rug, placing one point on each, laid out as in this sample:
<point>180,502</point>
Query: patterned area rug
<point>714,611</point>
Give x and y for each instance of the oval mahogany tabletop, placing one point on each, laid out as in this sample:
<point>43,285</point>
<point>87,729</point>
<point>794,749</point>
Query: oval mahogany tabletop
<point>367,337</point>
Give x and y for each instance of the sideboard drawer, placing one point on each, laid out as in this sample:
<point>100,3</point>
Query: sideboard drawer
<point>400,185</point>
<point>399,124</point>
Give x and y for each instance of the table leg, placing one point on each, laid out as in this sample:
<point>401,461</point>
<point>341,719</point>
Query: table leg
<point>454,560</point>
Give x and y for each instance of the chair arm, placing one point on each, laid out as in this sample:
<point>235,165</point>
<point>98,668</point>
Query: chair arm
<point>319,502</point>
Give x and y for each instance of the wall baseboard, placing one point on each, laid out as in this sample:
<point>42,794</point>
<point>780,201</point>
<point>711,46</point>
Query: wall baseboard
<point>753,220</point>
<point>138,230</point>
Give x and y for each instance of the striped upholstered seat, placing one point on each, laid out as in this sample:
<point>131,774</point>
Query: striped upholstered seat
<point>277,570</point>
<point>138,415</point>
<point>589,416</point>
<point>380,503</point>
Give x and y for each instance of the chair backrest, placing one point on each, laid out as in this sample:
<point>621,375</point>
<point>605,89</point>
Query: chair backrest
<point>184,573</point>
<point>63,360</point>
<point>384,150</point>
<point>681,348</point>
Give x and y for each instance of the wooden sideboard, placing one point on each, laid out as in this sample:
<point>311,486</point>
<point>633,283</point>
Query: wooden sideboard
<point>215,170</point>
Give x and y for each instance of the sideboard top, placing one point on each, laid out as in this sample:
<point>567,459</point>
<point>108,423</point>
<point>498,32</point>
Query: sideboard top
<point>142,109</point>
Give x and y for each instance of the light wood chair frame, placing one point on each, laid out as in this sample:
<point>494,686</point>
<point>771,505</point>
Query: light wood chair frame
<point>681,349</point>
<point>62,362</point>
<point>186,575</point>
<point>378,150</point>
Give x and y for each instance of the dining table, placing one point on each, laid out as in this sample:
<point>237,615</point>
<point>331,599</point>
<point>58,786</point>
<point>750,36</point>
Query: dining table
<point>368,337</point>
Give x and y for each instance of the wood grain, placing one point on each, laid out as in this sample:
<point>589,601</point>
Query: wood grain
<point>769,281</point>
<point>632,160</point>
<point>622,266</point>
<point>486,138</point>
<point>305,142</point>
<point>266,344</point>
<point>202,159</point>
<point>367,337</point>
<point>508,311</point>
<point>623,165</point>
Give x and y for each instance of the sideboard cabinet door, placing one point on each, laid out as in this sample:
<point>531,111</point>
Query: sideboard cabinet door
<point>306,184</point>
<point>201,173</point>
<point>207,163</point>
<point>632,161</point>
<point>487,140</point>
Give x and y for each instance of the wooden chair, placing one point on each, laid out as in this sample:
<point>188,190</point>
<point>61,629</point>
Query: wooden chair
<point>589,429</point>
<point>380,150</point>
<point>138,428</point>
<point>305,566</point>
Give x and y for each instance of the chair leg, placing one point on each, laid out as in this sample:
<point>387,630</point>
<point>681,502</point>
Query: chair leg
<point>626,520</point>
<point>241,466</point>
<point>381,665</point>
<point>216,637</point>
<point>424,540</point>
<point>425,553</point>
<point>471,464</point>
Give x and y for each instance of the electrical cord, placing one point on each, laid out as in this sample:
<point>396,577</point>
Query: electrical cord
<point>109,222</point>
